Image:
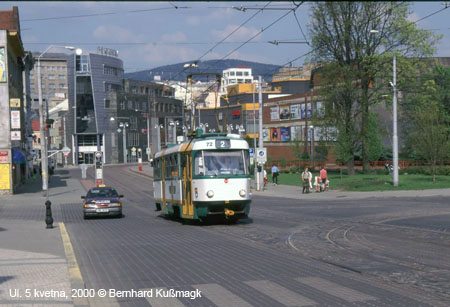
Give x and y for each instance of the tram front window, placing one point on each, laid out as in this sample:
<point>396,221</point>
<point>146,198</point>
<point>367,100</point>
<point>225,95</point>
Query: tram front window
<point>215,163</point>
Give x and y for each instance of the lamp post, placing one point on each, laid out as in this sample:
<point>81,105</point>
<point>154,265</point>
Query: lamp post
<point>394,118</point>
<point>124,125</point>
<point>44,154</point>
<point>312,145</point>
<point>158,137</point>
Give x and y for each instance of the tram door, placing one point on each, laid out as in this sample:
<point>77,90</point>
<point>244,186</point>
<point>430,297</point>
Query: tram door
<point>188,207</point>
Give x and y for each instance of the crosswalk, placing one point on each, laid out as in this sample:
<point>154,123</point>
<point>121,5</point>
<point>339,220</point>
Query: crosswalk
<point>223,297</point>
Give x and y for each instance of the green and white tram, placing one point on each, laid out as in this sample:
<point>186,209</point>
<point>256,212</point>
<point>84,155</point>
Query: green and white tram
<point>206,176</point>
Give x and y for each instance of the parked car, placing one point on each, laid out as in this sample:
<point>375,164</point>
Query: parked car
<point>102,201</point>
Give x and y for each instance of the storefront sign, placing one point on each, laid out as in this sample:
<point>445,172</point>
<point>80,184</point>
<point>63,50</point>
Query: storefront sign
<point>15,119</point>
<point>16,135</point>
<point>4,177</point>
<point>295,111</point>
<point>3,156</point>
<point>14,103</point>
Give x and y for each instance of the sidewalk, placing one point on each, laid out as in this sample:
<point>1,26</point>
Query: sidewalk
<point>34,269</point>
<point>289,191</point>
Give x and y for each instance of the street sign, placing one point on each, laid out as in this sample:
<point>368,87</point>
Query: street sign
<point>148,150</point>
<point>261,155</point>
<point>133,149</point>
<point>99,173</point>
<point>251,152</point>
<point>119,130</point>
<point>66,151</point>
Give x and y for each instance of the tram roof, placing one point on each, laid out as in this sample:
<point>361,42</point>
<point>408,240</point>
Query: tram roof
<point>237,143</point>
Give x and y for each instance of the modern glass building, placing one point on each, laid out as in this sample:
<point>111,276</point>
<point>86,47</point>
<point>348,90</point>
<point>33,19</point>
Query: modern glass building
<point>94,80</point>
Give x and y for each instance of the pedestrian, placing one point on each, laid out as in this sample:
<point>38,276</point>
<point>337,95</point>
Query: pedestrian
<point>275,173</point>
<point>323,178</point>
<point>306,179</point>
<point>265,178</point>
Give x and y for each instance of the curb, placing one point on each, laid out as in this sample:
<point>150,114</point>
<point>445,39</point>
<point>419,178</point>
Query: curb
<point>75,277</point>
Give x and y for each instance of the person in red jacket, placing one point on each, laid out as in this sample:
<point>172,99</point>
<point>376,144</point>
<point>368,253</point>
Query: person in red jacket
<point>323,178</point>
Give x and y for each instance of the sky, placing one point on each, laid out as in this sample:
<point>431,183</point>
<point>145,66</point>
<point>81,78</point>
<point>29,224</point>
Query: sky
<point>151,34</point>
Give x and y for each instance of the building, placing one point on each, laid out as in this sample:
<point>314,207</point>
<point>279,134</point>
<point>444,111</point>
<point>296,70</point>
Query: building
<point>57,131</point>
<point>94,81</point>
<point>142,107</point>
<point>237,75</point>
<point>15,65</point>
<point>53,78</point>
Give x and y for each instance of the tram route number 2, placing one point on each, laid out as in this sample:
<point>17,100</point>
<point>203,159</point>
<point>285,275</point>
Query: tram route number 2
<point>221,144</point>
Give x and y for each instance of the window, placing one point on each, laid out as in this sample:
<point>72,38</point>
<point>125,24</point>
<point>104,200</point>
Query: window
<point>133,123</point>
<point>231,73</point>
<point>113,71</point>
<point>32,86</point>
<point>216,163</point>
<point>107,103</point>
<point>51,77</point>
<point>157,169</point>
<point>53,68</point>
<point>82,63</point>
<point>51,86</point>
<point>62,85</point>
<point>246,73</point>
<point>130,105</point>
<point>239,73</point>
<point>122,105</point>
<point>61,77</point>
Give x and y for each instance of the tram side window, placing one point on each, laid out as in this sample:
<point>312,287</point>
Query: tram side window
<point>199,165</point>
<point>171,164</point>
<point>157,169</point>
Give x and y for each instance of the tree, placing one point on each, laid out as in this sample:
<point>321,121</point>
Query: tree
<point>374,144</point>
<point>358,60</point>
<point>430,133</point>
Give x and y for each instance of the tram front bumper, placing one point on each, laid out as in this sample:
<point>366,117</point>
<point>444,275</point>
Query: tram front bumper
<point>227,209</point>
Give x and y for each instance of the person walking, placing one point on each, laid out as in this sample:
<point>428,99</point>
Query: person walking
<point>323,178</point>
<point>306,179</point>
<point>275,173</point>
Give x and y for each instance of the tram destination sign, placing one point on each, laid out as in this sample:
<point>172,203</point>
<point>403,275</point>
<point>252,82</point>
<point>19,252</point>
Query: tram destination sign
<point>223,143</point>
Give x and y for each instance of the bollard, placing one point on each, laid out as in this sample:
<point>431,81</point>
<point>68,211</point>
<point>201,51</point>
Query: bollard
<point>140,167</point>
<point>48,214</point>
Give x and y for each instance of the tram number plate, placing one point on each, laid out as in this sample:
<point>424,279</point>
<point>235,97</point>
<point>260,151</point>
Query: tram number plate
<point>222,144</point>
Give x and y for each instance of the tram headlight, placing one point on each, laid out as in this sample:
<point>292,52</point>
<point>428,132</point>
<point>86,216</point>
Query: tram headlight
<point>242,193</point>
<point>210,194</point>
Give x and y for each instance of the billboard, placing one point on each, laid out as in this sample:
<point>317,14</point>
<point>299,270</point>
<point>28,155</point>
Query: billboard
<point>275,134</point>
<point>285,134</point>
<point>295,111</point>
<point>284,112</point>
<point>297,133</point>
<point>275,113</point>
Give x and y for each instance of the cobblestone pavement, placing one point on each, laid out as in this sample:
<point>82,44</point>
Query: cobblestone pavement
<point>279,257</point>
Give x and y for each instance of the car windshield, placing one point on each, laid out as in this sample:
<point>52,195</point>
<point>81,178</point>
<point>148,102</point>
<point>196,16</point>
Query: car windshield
<point>214,163</point>
<point>93,193</point>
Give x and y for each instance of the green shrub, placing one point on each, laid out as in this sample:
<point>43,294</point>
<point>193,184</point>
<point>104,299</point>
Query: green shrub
<point>293,169</point>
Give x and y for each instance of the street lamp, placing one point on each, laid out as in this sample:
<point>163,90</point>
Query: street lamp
<point>44,153</point>
<point>394,118</point>
<point>158,137</point>
<point>124,125</point>
<point>312,145</point>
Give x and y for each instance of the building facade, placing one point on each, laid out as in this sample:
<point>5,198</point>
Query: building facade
<point>94,81</point>
<point>14,104</point>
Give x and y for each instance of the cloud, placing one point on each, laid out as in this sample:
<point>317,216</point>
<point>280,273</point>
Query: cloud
<point>119,34</point>
<point>193,20</point>
<point>243,33</point>
<point>176,37</point>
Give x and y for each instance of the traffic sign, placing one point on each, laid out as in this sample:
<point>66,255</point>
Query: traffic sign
<point>119,130</point>
<point>98,154</point>
<point>65,151</point>
<point>251,151</point>
<point>261,155</point>
<point>133,149</point>
<point>148,150</point>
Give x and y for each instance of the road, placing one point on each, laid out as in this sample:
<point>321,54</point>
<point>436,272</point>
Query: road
<point>291,252</point>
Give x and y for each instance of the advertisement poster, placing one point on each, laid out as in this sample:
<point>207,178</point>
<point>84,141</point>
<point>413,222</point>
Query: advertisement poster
<point>14,103</point>
<point>309,110</point>
<point>295,111</point>
<point>275,134</point>
<point>266,135</point>
<point>285,134</point>
<point>15,119</point>
<point>4,177</point>
<point>297,133</point>
<point>275,113</point>
<point>320,109</point>
<point>284,112</point>
<point>2,65</point>
<point>303,111</point>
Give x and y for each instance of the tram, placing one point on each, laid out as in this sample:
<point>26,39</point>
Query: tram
<point>206,176</point>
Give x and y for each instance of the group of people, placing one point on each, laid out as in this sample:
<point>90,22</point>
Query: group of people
<point>321,182</point>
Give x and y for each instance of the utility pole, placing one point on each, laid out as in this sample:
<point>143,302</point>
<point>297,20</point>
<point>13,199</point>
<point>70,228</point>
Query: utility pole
<point>148,135</point>
<point>44,159</point>
<point>65,140</point>
<point>254,135</point>
<point>394,124</point>
<point>261,143</point>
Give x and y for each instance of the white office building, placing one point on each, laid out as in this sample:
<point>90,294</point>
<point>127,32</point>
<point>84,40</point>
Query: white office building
<point>233,76</point>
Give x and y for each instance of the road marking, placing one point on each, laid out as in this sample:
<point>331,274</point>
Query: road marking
<point>221,296</point>
<point>334,289</point>
<point>162,301</point>
<point>280,294</point>
<point>75,277</point>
